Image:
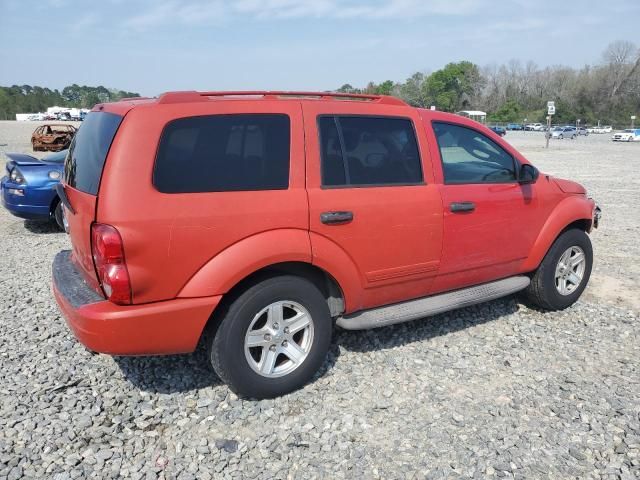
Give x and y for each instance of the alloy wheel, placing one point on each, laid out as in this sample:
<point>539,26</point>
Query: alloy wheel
<point>279,339</point>
<point>570,270</point>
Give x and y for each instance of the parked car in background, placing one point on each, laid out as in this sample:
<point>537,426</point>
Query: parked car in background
<point>358,210</point>
<point>499,130</point>
<point>583,131</point>
<point>514,126</point>
<point>28,189</point>
<point>606,129</point>
<point>628,135</point>
<point>52,137</point>
<point>535,127</point>
<point>564,132</point>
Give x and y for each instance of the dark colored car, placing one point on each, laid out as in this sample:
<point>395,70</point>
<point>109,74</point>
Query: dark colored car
<point>52,137</point>
<point>499,130</point>
<point>515,126</point>
<point>28,189</point>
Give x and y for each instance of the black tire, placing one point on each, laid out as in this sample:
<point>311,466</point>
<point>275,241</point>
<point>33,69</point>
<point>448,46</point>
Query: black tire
<point>58,216</point>
<point>227,348</point>
<point>542,291</point>
<point>561,137</point>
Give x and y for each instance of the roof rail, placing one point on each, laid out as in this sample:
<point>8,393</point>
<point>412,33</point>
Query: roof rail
<point>131,99</point>
<point>193,96</point>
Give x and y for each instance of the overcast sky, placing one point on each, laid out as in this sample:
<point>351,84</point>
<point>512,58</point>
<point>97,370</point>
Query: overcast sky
<point>151,46</point>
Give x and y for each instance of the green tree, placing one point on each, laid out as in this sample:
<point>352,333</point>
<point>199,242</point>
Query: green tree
<point>454,87</point>
<point>385,88</point>
<point>31,99</point>
<point>510,111</point>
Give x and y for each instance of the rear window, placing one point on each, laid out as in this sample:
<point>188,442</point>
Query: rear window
<point>217,153</point>
<point>88,151</point>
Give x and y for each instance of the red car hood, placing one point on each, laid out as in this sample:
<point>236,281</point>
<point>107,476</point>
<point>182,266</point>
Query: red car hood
<point>568,186</point>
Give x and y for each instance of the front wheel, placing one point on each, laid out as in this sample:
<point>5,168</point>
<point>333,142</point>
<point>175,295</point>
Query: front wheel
<point>272,338</point>
<point>564,272</point>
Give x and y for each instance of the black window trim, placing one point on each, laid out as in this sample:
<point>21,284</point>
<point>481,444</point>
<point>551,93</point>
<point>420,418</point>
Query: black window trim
<point>174,119</point>
<point>515,161</point>
<point>336,117</point>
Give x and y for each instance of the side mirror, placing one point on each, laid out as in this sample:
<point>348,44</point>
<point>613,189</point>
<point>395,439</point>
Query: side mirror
<point>528,174</point>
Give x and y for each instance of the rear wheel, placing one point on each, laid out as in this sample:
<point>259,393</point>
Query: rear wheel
<point>561,137</point>
<point>563,274</point>
<point>58,216</point>
<point>272,338</point>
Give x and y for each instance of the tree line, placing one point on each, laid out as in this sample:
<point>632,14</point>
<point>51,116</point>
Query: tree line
<point>608,92</point>
<point>28,99</point>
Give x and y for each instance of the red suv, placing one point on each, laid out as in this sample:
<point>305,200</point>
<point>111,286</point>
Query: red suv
<point>257,220</point>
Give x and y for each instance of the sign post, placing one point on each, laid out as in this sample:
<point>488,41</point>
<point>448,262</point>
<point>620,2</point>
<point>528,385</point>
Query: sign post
<point>633,118</point>
<point>551,110</point>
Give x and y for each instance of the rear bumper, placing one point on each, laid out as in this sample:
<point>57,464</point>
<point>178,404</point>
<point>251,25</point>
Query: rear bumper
<point>34,204</point>
<point>172,326</point>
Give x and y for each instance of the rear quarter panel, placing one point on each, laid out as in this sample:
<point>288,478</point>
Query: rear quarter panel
<point>169,238</point>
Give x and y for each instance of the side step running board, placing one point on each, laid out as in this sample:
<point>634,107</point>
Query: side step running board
<point>423,307</point>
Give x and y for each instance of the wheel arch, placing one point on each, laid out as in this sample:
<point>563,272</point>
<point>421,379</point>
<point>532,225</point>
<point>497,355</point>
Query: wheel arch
<point>264,255</point>
<point>324,281</point>
<point>572,212</point>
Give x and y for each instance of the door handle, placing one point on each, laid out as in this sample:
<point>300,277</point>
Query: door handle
<point>336,218</point>
<point>462,207</point>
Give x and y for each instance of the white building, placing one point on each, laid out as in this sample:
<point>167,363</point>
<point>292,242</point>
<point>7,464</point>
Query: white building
<point>476,115</point>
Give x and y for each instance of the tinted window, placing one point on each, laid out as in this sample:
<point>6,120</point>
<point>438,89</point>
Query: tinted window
<point>88,151</point>
<point>223,153</point>
<point>368,151</point>
<point>470,157</point>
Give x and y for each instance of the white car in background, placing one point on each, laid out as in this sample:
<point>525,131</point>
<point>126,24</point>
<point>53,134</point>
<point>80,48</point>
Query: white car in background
<point>628,135</point>
<point>536,127</point>
<point>605,129</point>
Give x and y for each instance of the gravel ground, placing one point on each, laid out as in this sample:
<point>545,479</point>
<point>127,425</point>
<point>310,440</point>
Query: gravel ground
<point>497,390</point>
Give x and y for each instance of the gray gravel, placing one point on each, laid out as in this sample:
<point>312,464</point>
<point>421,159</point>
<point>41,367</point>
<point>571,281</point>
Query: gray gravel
<point>497,390</point>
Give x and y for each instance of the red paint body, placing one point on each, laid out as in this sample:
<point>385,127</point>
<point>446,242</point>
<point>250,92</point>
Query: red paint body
<point>184,252</point>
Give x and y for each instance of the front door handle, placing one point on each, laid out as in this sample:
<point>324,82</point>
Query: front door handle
<point>336,218</point>
<point>462,207</point>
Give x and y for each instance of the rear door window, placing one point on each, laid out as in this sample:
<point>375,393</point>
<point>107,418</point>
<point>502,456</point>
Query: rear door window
<point>368,151</point>
<point>88,151</point>
<point>217,153</point>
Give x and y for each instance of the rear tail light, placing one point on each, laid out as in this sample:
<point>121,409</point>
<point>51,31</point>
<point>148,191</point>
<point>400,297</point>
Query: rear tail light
<point>108,258</point>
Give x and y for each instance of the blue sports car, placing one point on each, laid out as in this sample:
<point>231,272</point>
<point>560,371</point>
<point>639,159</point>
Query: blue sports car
<point>28,189</point>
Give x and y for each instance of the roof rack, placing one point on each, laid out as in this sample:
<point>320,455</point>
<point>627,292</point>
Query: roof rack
<point>193,96</point>
<point>131,99</point>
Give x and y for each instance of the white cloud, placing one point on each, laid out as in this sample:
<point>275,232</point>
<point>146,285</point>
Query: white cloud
<point>200,12</point>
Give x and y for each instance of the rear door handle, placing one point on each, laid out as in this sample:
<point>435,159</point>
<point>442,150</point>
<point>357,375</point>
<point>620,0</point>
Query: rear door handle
<point>462,207</point>
<point>336,218</point>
